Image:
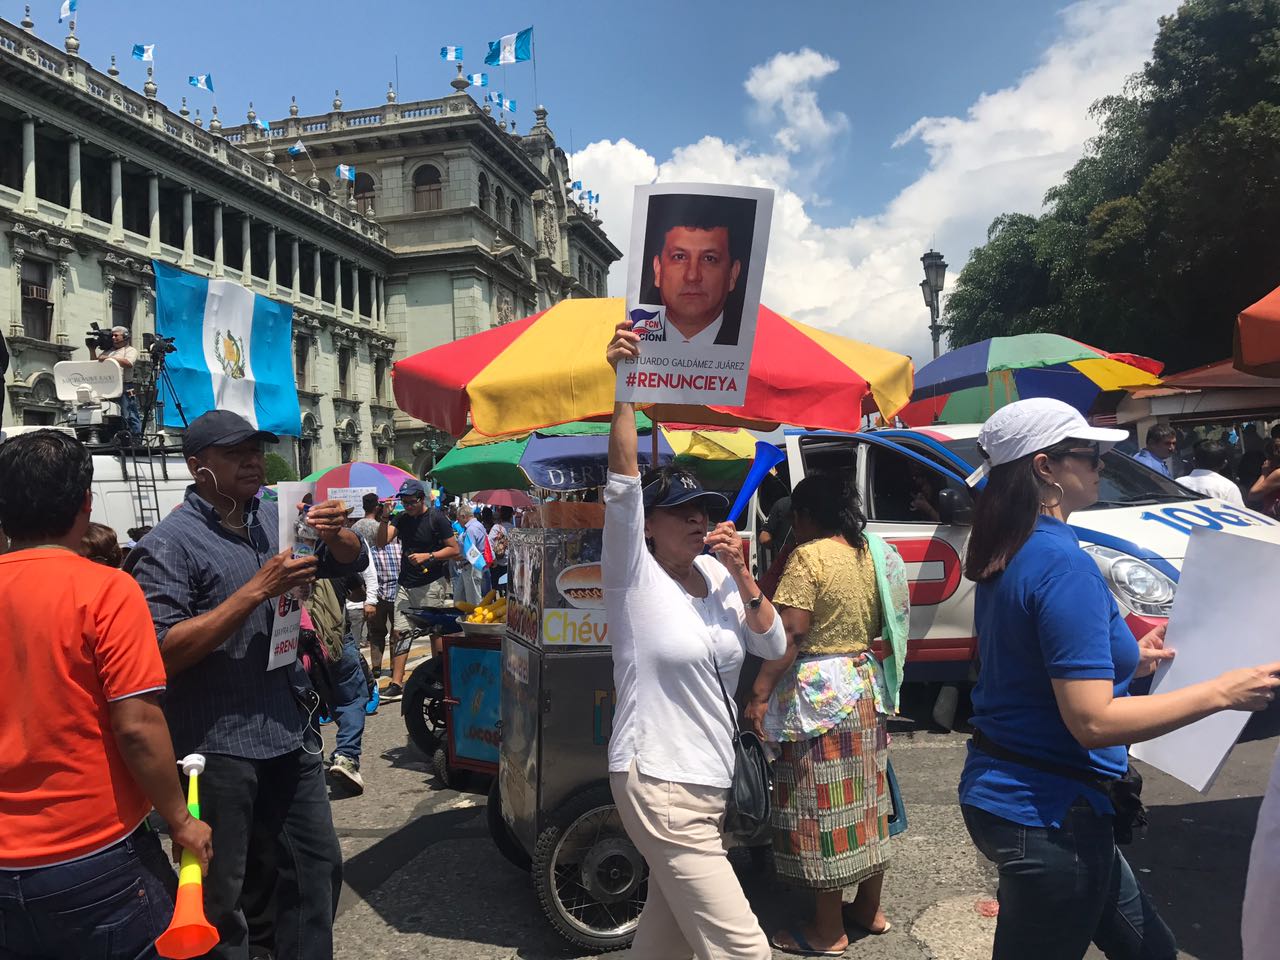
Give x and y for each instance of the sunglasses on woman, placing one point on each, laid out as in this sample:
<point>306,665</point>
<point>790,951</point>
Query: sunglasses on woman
<point>1091,453</point>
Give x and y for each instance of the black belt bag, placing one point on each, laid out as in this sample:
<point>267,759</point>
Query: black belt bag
<point>1124,792</point>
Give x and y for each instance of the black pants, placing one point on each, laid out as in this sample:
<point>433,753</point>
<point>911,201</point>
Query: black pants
<point>272,816</point>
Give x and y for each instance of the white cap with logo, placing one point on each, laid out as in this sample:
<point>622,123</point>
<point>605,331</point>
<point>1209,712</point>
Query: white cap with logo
<point>1029,426</point>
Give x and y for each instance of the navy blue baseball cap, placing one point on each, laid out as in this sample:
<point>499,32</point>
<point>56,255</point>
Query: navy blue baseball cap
<point>220,428</point>
<point>671,490</point>
<point>412,488</point>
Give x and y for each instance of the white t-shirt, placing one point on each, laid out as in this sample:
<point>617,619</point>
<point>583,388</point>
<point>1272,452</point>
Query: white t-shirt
<point>1260,923</point>
<point>670,716</point>
<point>1211,484</point>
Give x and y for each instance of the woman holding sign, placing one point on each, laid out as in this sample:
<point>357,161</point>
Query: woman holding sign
<point>677,617</point>
<point>1045,790</point>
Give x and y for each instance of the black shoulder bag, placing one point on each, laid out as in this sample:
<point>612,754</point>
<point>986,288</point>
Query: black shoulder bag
<point>1125,792</point>
<point>747,809</point>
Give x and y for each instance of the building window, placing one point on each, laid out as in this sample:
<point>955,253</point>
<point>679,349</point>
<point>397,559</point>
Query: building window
<point>37,418</point>
<point>484,193</point>
<point>383,454</point>
<point>515,216</point>
<point>124,299</point>
<point>324,186</point>
<point>301,356</point>
<point>427,192</point>
<point>379,377</point>
<point>344,371</point>
<point>348,452</point>
<point>582,270</point>
<point>364,191</point>
<point>304,457</point>
<point>37,301</point>
<point>500,204</point>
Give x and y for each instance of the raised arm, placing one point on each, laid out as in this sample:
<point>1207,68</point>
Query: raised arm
<point>624,457</point>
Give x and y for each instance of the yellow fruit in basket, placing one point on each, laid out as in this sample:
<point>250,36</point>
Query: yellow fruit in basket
<point>463,606</point>
<point>488,598</point>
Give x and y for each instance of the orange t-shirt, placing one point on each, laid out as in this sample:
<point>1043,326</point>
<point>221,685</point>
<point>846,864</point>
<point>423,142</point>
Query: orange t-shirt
<point>76,636</point>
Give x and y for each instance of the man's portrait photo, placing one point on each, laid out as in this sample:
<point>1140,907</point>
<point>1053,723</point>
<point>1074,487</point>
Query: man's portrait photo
<point>697,252</point>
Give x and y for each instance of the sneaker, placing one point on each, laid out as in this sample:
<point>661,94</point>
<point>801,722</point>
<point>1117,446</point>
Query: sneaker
<point>345,769</point>
<point>392,693</point>
<point>324,719</point>
<point>371,705</point>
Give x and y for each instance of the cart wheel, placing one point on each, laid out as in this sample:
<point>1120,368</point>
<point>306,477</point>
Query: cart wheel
<point>424,716</point>
<point>590,878</point>
<point>499,830</point>
<point>451,777</point>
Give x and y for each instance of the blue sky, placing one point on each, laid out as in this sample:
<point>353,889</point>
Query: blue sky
<point>995,92</point>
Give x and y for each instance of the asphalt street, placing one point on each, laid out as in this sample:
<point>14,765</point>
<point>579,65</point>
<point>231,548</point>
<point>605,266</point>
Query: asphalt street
<point>423,879</point>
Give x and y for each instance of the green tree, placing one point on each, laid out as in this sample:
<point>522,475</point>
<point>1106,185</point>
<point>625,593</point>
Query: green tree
<point>278,469</point>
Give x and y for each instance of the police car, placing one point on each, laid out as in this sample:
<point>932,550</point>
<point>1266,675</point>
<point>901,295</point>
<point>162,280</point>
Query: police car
<point>913,492</point>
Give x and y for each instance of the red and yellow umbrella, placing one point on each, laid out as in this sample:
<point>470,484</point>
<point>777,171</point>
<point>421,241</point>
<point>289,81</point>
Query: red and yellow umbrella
<point>550,369</point>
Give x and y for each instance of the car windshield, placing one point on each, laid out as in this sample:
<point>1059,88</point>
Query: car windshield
<point>1125,481</point>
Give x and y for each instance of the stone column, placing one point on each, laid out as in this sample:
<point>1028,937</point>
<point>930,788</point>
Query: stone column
<point>246,241</point>
<point>188,230</point>
<point>316,286</point>
<point>271,261</point>
<point>219,263</point>
<point>117,201</point>
<point>337,286</point>
<point>75,215</point>
<point>297,272</point>
<point>355,293</point>
<point>375,291</point>
<point>29,164</point>
<point>153,204</point>
<point>15,298</point>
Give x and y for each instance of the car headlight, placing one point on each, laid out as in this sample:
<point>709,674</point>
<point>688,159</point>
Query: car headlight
<point>1141,586</point>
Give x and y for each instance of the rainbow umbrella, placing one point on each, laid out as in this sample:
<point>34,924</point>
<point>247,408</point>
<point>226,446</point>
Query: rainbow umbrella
<point>970,383</point>
<point>550,369</point>
<point>383,477</point>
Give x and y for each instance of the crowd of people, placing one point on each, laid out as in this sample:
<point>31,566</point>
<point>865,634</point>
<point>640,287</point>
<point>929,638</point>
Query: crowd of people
<point>1045,793</point>
<point>1237,466</point>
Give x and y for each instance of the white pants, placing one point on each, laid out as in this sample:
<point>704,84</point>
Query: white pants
<point>1260,923</point>
<point>696,907</point>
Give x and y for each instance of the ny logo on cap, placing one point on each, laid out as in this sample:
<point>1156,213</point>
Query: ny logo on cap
<point>689,483</point>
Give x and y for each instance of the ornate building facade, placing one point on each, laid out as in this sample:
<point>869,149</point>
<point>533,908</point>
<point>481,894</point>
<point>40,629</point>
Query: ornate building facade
<point>454,224</point>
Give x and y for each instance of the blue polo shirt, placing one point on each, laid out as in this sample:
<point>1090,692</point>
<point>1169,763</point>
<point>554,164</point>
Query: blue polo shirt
<point>1048,616</point>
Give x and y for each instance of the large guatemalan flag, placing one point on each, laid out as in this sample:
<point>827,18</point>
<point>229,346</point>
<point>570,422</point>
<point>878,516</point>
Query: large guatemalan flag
<point>234,351</point>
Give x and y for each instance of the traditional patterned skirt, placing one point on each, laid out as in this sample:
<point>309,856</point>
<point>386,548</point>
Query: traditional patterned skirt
<point>831,803</point>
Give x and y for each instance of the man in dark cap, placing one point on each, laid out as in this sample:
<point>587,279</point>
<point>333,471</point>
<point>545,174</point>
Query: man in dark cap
<point>212,573</point>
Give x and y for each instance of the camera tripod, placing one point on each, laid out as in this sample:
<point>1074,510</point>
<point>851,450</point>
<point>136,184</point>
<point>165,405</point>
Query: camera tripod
<point>153,408</point>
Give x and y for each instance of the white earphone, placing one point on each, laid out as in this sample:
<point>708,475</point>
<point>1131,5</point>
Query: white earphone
<point>218,490</point>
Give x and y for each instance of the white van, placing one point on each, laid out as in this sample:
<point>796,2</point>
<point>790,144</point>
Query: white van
<point>1137,531</point>
<point>135,491</point>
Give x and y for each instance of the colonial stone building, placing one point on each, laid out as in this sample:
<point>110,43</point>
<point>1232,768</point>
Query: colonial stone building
<point>454,223</point>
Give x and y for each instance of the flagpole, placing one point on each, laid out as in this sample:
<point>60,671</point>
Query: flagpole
<point>533,56</point>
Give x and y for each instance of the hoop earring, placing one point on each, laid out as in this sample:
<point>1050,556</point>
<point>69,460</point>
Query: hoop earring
<point>1056,503</point>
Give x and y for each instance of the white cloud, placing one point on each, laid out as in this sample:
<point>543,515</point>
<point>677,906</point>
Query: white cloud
<point>862,278</point>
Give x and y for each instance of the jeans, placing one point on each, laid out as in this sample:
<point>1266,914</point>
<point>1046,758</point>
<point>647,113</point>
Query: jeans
<point>352,693</point>
<point>129,407</point>
<point>276,812</point>
<point>109,906</point>
<point>1062,889</point>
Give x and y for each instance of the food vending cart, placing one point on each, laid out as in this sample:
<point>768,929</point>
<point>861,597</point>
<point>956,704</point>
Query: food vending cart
<point>551,809</point>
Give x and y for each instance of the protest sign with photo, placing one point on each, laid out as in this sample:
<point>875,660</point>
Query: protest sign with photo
<point>693,291</point>
<point>286,624</point>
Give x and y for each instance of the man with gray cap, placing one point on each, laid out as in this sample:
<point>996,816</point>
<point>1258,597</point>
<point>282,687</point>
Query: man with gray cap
<point>212,573</point>
<point>125,355</point>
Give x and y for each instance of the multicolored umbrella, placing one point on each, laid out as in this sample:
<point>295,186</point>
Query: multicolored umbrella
<point>503,498</point>
<point>550,369</point>
<point>970,383</point>
<point>1257,348</point>
<point>383,477</point>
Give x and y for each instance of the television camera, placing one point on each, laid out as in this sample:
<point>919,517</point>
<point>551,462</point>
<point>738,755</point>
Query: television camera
<point>99,339</point>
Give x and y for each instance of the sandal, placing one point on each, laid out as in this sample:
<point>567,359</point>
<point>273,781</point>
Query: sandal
<point>801,947</point>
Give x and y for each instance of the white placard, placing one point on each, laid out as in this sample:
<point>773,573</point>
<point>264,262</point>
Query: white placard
<point>352,497</point>
<point>1223,619</point>
<point>286,622</point>
<point>693,291</point>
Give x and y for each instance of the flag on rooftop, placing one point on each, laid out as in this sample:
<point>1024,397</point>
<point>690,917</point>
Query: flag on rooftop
<point>508,105</point>
<point>478,79</point>
<point>576,185</point>
<point>345,172</point>
<point>144,51</point>
<point>450,53</point>
<point>298,149</point>
<point>68,8</point>
<point>202,81</point>
<point>263,124</point>
<point>493,96</point>
<point>513,48</point>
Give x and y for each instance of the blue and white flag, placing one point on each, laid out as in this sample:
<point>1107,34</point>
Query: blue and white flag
<point>450,53</point>
<point>513,48</point>
<point>478,79</point>
<point>144,51</point>
<point>576,185</point>
<point>68,8</point>
<point>508,105</point>
<point>493,97</point>
<point>203,81</point>
<point>298,149</point>
<point>263,124</point>
<point>234,351</point>
<point>344,172</point>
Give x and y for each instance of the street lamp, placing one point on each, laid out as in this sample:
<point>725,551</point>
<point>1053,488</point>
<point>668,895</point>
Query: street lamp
<point>935,272</point>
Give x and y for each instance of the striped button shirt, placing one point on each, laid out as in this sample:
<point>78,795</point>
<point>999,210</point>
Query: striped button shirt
<point>228,702</point>
<point>387,562</point>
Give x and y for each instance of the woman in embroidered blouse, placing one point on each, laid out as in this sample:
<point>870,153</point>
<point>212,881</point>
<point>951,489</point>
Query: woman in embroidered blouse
<point>825,702</point>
